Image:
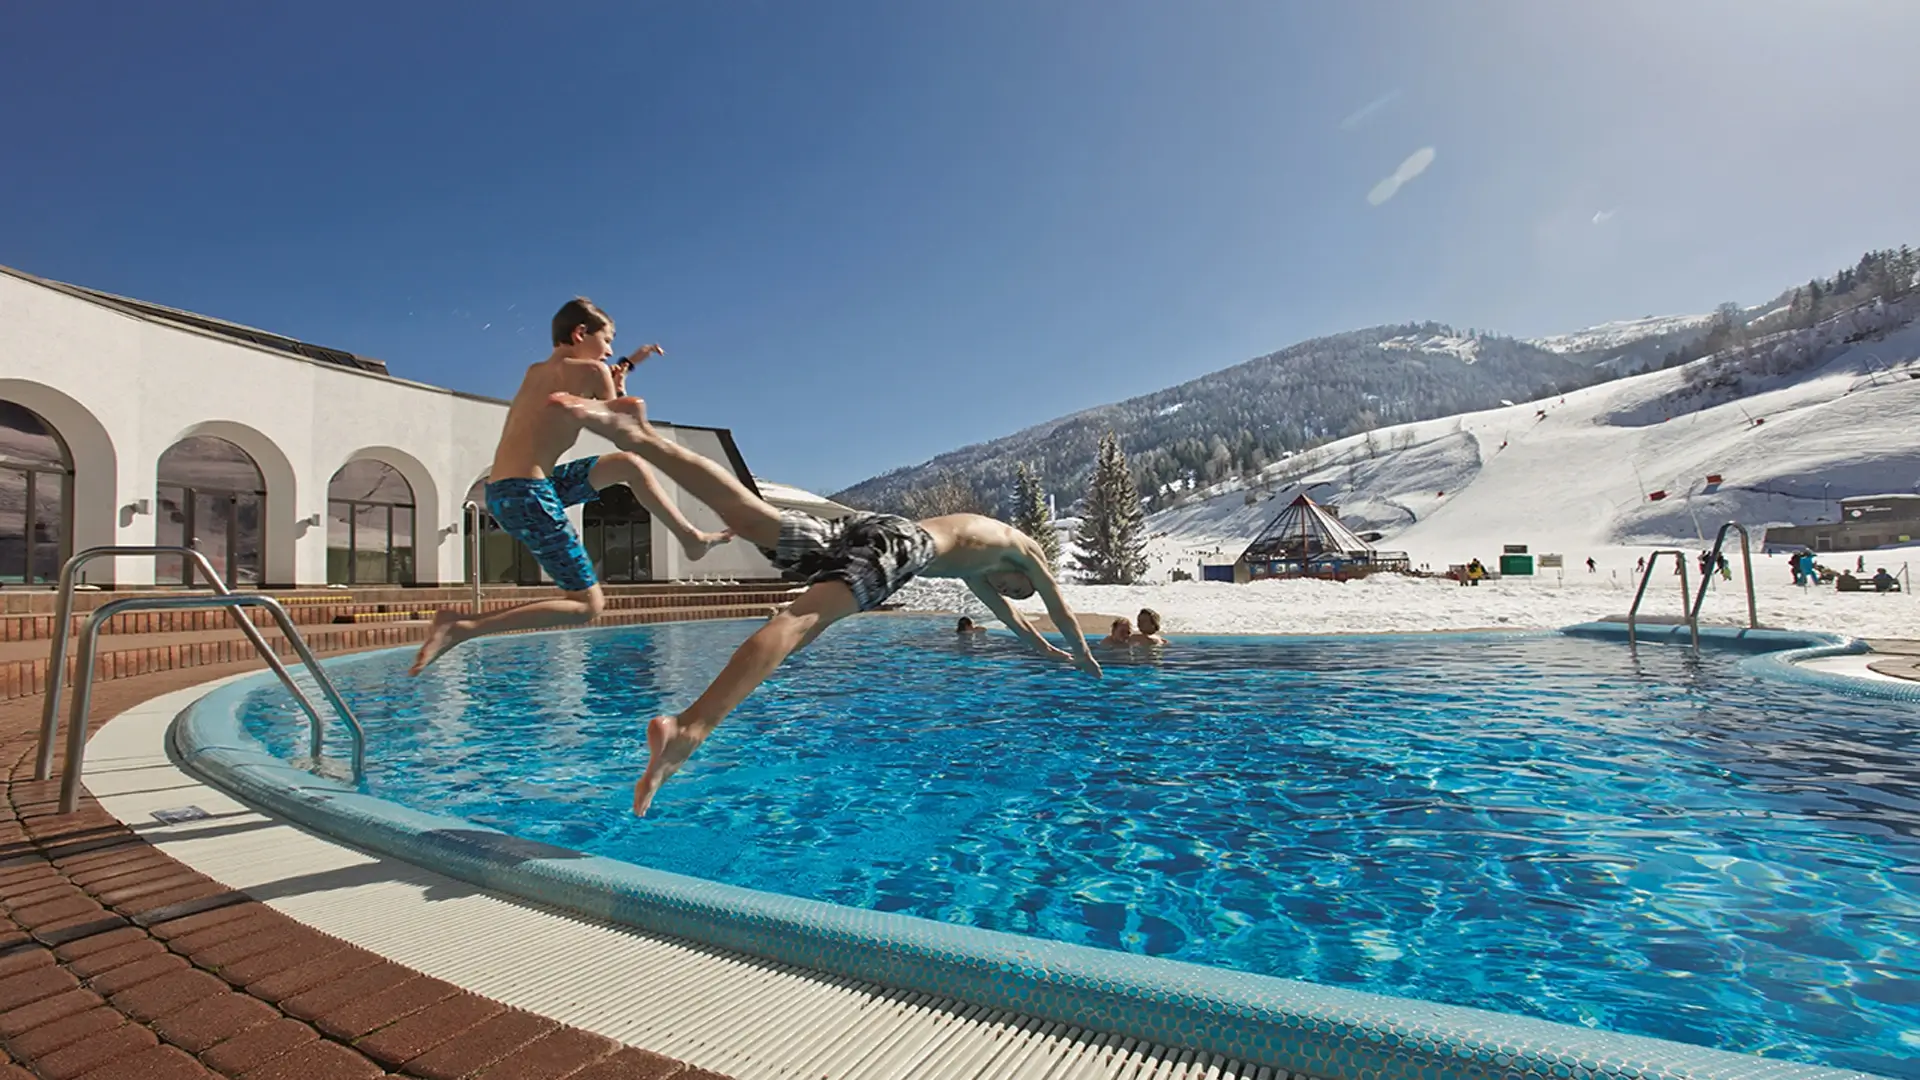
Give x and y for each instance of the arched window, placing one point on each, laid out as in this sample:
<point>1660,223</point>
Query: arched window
<point>618,534</point>
<point>369,525</point>
<point>36,502</point>
<point>211,499</point>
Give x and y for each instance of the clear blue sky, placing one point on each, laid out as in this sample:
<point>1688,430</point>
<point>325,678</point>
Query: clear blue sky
<point>869,232</point>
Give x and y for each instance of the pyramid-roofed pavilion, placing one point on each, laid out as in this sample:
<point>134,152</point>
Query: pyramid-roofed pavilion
<point>1305,540</point>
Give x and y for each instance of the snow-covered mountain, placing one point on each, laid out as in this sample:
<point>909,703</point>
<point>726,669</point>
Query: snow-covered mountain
<point>1237,419</point>
<point>1790,422</point>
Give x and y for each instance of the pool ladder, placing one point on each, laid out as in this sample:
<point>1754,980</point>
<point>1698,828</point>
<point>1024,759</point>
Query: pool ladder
<point>89,636</point>
<point>1690,601</point>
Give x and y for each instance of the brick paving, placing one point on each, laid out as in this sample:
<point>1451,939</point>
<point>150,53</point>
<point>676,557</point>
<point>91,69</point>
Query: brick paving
<point>145,642</point>
<point>119,963</point>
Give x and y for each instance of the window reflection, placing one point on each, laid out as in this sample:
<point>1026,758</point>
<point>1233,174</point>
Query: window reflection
<point>370,516</point>
<point>210,498</point>
<point>36,482</point>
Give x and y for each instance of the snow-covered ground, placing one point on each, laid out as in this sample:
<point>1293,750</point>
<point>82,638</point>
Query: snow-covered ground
<point>1575,476</point>
<point>1616,335</point>
<point>1391,602</point>
<point>1464,349</point>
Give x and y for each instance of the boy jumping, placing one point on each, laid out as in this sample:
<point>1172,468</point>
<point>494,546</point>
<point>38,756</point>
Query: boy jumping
<point>851,565</point>
<point>528,495</point>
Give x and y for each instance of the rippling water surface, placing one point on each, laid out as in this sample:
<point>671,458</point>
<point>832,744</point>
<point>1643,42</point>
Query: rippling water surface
<point>1532,824</point>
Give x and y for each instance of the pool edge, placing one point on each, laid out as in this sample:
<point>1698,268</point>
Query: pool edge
<point>1778,654</point>
<point>1303,1028</point>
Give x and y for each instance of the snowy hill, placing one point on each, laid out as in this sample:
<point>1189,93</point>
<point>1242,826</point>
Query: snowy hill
<point>1790,423</point>
<point>1242,417</point>
<point>1613,336</point>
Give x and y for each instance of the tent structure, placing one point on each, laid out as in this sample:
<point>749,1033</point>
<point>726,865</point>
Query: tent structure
<point>1307,540</point>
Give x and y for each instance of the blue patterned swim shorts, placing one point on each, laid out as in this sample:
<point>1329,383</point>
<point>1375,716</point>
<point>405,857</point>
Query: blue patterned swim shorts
<point>535,513</point>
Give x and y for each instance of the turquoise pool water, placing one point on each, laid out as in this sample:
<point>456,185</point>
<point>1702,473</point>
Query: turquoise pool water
<point>1533,824</point>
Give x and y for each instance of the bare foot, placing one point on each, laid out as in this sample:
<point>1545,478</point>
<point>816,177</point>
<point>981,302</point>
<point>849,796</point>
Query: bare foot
<point>668,747</point>
<point>440,638</point>
<point>704,542</point>
<point>623,421</point>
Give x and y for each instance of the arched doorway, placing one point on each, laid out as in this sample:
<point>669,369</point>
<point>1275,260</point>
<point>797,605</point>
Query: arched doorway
<point>36,498</point>
<point>370,525</point>
<point>211,498</point>
<point>619,536</point>
<point>503,560</point>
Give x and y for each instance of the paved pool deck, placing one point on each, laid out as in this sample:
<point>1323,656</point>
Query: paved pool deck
<point>1895,657</point>
<point>118,962</point>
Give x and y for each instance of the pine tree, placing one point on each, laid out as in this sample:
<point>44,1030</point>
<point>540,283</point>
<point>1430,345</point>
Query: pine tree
<point>1112,549</point>
<point>1030,514</point>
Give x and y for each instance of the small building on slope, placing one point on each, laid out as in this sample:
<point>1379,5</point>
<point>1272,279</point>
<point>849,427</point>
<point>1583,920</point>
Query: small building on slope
<point>1308,540</point>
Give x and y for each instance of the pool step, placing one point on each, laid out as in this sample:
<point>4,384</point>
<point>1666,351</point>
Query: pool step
<point>363,617</point>
<point>23,666</point>
<point>314,609</point>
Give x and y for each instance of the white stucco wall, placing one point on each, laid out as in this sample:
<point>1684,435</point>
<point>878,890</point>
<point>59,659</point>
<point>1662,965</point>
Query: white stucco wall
<point>121,389</point>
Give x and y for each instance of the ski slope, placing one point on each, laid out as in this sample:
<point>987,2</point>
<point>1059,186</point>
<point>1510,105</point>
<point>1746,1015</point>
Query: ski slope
<point>1570,475</point>
<point>1576,474</point>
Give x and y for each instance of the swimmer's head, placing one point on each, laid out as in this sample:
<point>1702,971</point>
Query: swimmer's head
<point>965,626</point>
<point>1149,621</point>
<point>1121,628</point>
<point>1011,584</point>
<point>582,326</point>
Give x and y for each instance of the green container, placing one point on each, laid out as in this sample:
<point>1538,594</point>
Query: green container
<point>1516,566</point>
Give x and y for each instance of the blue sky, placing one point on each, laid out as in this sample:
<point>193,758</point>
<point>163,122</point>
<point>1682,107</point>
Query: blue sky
<point>869,232</point>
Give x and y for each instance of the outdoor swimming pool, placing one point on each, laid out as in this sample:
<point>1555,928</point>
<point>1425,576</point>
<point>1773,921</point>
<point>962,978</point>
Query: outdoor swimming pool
<point>1533,824</point>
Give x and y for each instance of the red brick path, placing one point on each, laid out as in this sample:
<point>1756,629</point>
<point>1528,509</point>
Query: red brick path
<point>119,963</point>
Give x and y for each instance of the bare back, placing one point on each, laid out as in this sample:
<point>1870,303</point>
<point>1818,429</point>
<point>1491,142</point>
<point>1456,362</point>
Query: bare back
<point>537,432</point>
<point>972,546</point>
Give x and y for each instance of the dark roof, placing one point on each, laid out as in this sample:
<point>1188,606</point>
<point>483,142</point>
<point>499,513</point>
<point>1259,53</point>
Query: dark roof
<point>218,327</point>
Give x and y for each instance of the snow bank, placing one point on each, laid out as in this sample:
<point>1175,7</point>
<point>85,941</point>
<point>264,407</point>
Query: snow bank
<point>1396,603</point>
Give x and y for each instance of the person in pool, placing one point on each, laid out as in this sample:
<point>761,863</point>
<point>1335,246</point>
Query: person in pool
<point>1119,635</point>
<point>967,626</point>
<point>850,565</point>
<point>1149,623</point>
<point>528,494</point>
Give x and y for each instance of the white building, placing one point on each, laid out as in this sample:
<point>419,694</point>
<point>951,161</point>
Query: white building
<point>287,464</point>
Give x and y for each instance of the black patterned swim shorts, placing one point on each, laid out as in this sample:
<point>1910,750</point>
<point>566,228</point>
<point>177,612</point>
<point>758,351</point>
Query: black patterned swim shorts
<point>874,554</point>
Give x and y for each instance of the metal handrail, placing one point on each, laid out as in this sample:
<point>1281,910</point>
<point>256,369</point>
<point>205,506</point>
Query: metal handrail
<point>1634,611</point>
<point>473,550</point>
<point>83,678</point>
<point>1713,560</point>
<point>57,662</point>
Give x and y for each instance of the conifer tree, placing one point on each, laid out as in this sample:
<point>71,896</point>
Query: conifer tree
<point>1030,514</point>
<point>1112,548</point>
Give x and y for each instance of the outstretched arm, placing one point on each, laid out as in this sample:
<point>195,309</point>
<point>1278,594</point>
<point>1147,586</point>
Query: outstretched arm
<point>624,366</point>
<point>1041,575</point>
<point>1013,620</point>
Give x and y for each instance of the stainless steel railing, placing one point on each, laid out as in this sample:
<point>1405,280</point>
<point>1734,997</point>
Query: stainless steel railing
<point>473,552</point>
<point>1713,560</point>
<point>63,618</point>
<point>1633,612</point>
<point>83,672</point>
